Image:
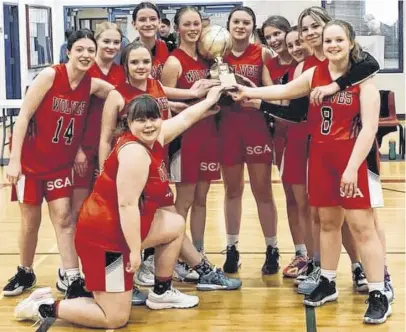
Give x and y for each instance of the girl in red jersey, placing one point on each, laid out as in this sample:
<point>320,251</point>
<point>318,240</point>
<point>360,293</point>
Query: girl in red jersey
<point>194,160</point>
<point>130,208</point>
<point>275,30</point>
<point>245,138</point>
<point>146,19</point>
<point>138,64</point>
<point>46,139</point>
<point>108,38</point>
<point>340,182</point>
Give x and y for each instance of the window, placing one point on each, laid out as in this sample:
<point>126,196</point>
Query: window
<point>378,25</point>
<point>39,36</point>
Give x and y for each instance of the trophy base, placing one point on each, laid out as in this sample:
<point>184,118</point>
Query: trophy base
<point>226,100</point>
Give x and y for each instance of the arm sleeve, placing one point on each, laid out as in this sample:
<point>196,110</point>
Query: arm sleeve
<point>295,112</point>
<point>359,71</point>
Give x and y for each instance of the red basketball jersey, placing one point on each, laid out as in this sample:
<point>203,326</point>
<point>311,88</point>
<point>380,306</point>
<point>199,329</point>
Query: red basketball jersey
<point>338,118</point>
<point>312,61</point>
<point>160,54</point>
<point>249,64</point>
<point>193,71</point>
<point>57,127</point>
<point>276,70</point>
<point>154,88</point>
<point>100,216</point>
<point>91,135</point>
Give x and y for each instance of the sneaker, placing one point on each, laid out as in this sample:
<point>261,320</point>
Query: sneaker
<point>172,298</point>
<point>233,260</point>
<point>28,309</point>
<point>145,275</point>
<point>271,265</point>
<point>310,283</point>
<point>139,298</point>
<point>62,282</point>
<point>77,289</point>
<point>182,272</point>
<point>21,281</point>
<point>389,291</point>
<point>216,280</point>
<point>360,280</point>
<point>378,310</point>
<point>297,265</point>
<point>303,274</point>
<point>325,292</point>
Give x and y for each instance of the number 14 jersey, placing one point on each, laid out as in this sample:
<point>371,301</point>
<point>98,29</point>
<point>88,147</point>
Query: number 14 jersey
<point>338,117</point>
<point>56,129</point>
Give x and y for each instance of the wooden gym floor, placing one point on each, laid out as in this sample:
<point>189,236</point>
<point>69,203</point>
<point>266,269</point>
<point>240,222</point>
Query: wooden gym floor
<point>263,303</point>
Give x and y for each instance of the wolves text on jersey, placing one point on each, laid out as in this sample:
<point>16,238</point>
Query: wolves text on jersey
<point>340,98</point>
<point>67,106</point>
<point>194,75</point>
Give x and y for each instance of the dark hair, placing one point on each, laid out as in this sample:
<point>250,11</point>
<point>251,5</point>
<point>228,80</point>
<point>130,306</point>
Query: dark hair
<point>181,11</point>
<point>278,22</point>
<point>319,14</point>
<point>145,5</point>
<point>69,32</point>
<point>139,108</point>
<point>292,29</point>
<point>76,35</point>
<point>246,9</point>
<point>126,52</point>
<point>166,22</point>
<point>356,54</point>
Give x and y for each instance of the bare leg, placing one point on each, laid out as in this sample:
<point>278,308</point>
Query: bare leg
<point>349,244</point>
<point>30,223</point>
<point>198,214</point>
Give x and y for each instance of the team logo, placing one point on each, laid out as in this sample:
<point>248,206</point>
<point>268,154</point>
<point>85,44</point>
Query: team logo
<point>258,149</point>
<point>58,184</point>
<point>211,167</point>
<point>358,193</point>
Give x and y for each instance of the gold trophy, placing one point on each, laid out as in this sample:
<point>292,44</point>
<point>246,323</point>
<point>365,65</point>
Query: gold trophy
<point>215,42</point>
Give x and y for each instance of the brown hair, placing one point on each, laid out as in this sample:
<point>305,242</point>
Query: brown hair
<point>107,26</point>
<point>356,54</point>
<point>319,14</point>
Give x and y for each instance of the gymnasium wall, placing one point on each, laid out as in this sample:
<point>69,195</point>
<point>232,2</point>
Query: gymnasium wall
<point>287,8</point>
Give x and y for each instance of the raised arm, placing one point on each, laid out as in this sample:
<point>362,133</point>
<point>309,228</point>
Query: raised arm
<point>131,179</point>
<point>173,127</point>
<point>299,87</point>
<point>370,106</point>
<point>112,107</point>
<point>33,98</point>
<point>100,88</point>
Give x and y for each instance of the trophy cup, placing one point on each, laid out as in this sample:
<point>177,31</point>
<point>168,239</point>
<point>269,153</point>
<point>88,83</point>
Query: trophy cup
<point>215,42</point>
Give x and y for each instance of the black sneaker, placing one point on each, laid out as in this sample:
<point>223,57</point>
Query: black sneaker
<point>77,289</point>
<point>379,308</point>
<point>325,292</point>
<point>360,280</point>
<point>20,282</point>
<point>232,261</point>
<point>271,265</point>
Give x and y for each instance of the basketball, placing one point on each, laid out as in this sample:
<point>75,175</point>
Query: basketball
<point>215,41</point>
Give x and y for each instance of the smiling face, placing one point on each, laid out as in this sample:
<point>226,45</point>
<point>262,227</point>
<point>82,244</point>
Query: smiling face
<point>147,23</point>
<point>241,25</point>
<point>108,44</point>
<point>146,129</point>
<point>312,31</point>
<point>190,27</point>
<point>275,38</point>
<point>139,64</point>
<point>336,43</point>
<point>82,54</point>
<point>297,48</point>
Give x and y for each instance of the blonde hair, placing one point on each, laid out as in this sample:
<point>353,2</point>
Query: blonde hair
<point>319,14</point>
<point>106,26</point>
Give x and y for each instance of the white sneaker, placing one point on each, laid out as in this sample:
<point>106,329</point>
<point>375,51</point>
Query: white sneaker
<point>172,298</point>
<point>62,282</point>
<point>28,309</point>
<point>182,272</point>
<point>145,275</point>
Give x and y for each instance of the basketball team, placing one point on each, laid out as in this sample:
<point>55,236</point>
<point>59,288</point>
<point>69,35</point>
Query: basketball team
<point>101,142</point>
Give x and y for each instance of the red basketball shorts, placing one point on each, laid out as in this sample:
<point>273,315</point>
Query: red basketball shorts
<point>31,189</point>
<point>294,166</point>
<point>244,137</point>
<point>327,162</point>
<point>88,179</point>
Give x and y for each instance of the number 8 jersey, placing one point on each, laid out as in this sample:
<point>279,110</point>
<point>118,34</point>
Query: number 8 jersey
<point>56,129</point>
<point>338,117</point>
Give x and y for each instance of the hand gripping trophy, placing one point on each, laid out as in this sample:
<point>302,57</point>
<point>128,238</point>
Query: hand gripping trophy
<point>215,42</point>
